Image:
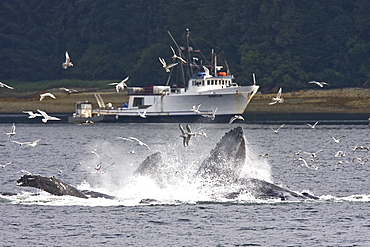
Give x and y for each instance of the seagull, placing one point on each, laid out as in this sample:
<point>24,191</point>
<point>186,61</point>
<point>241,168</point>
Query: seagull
<point>303,160</point>
<point>340,154</point>
<point>121,85</point>
<point>165,66</point>
<point>211,116</point>
<point>78,164</point>
<point>67,63</point>
<point>278,98</point>
<point>235,118</point>
<point>28,173</point>
<point>207,75</point>
<point>12,131</point>
<point>313,155</point>
<point>361,147</point>
<point>4,85</point>
<point>98,166</point>
<point>124,138</point>
<point>341,162</point>
<point>140,142</point>
<point>313,125</point>
<point>3,166</point>
<point>360,160</point>
<point>277,130</point>
<point>263,155</point>
<point>42,96</point>
<point>306,164</point>
<point>32,114</point>
<point>33,144</point>
<point>46,116</point>
<point>320,84</point>
<point>185,136</point>
<point>177,57</point>
<point>196,108</point>
<point>336,140</point>
<point>142,114</point>
<point>67,90</point>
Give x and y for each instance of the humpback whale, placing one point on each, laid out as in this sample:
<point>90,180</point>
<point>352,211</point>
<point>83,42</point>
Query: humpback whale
<point>222,168</point>
<point>56,187</point>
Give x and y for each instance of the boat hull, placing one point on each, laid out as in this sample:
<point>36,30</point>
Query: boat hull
<point>174,119</point>
<point>97,119</point>
<point>178,107</point>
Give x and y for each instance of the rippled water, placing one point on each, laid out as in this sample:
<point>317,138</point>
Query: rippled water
<point>183,215</point>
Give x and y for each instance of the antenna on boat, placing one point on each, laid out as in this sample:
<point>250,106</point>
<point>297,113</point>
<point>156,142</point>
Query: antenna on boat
<point>254,79</point>
<point>213,60</point>
<point>188,48</point>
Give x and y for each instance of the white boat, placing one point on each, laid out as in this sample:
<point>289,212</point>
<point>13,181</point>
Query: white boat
<point>215,91</point>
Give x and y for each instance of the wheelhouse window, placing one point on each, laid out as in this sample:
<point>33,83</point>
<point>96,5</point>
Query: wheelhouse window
<point>138,101</point>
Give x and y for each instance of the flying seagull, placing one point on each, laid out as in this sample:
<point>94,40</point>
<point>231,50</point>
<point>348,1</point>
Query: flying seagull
<point>165,66</point>
<point>313,155</point>
<point>12,131</point>
<point>320,84</point>
<point>177,57</point>
<point>32,114</point>
<point>313,125</point>
<point>121,85</point>
<point>336,140</point>
<point>277,130</point>
<point>68,62</point>
<point>3,166</point>
<point>278,98</point>
<point>4,85</point>
<point>67,90</point>
<point>235,118</point>
<point>42,96</point>
<point>27,144</point>
<point>142,114</point>
<point>305,163</point>
<point>46,116</point>
<point>211,116</point>
<point>140,142</point>
<point>185,136</point>
<point>196,108</point>
<point>124,138</point>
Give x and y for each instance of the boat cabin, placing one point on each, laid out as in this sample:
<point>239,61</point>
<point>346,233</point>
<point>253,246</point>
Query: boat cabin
<point>83,109</point>
<point>202,81</point>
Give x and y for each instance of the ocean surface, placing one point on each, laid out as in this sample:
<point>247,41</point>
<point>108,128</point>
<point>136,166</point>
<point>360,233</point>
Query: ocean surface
<point>179,213</point>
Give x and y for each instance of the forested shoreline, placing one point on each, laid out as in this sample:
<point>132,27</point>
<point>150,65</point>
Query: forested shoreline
<point>286,43</point>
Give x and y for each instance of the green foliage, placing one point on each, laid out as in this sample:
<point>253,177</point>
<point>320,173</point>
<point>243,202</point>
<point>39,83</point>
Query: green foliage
<point>286,43</point>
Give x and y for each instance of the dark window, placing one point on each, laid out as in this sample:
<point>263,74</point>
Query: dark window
<point>138,101</point>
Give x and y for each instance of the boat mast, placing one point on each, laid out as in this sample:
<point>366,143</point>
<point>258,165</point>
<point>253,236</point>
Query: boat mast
<point>188,50</point>
<point>215,64</point>
<point>181,65</point>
